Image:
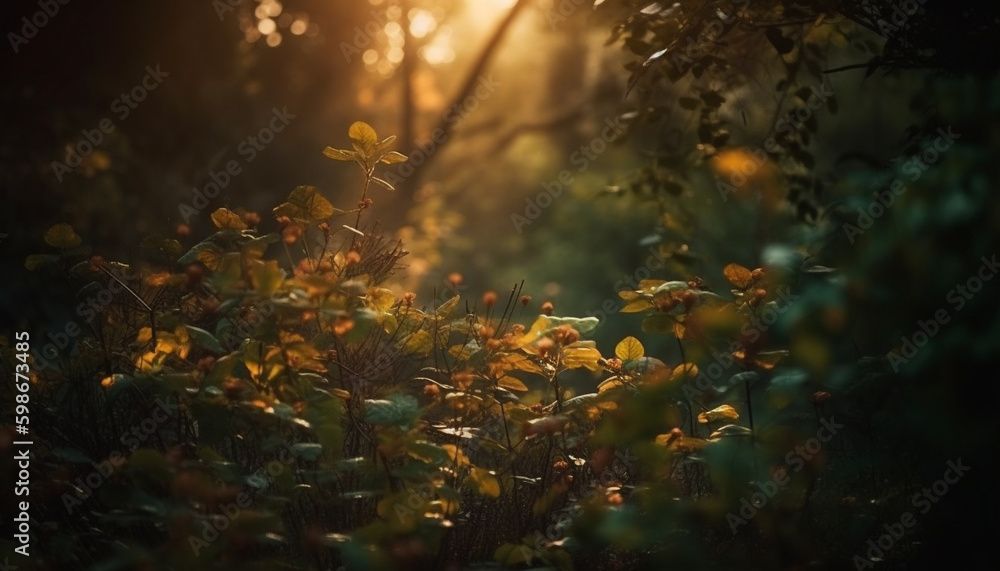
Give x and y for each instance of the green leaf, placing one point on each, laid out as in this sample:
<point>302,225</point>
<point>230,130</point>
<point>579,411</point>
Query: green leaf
<point>311,451</point>
<point>167,248</point>
<point>205,252</point>
<point>305,203</point>
<point>340,154</point>
<point>395,410</point>
<point>428,452</point>
<point>62,236</point>
<point>205,339</point>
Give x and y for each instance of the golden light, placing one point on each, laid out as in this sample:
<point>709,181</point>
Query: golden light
<point>299,27</point>
<point>267,26</point>
<point>393,29</point>
<point>395,55</point>
<point>370,57</point>
<point>272,8</point>
<point>274,40</point>
<point>421,23</point>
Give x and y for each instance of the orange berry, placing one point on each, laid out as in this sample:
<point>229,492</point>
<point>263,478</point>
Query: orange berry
<point>490,299</point>
<point>525,300</point>
<point>547,308</point>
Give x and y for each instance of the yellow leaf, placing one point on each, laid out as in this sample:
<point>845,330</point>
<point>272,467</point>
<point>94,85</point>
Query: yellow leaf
<point>266,277</point>
<point>62,236</point>
<point>512,384</point>
<point>629,295</point>
<point>540,325</point>
<point>418,342</point>
<point>144,336</point>
<point>264,363</point>
<point>363,138</point>
<point>576,357</point>
<point>225,218</point>
<point>456,455</point>
<point>609,384</point>
<point>392,158</point>
<point>485,482</point>
<point>339,154</point>
<point>737,275</point>
<point>305,203</point>
<point>768,359</point>
<point>629,349</point>
<point>719,413</point>
<point>380,299</point>
<point>211,256</point>
<point>159,279</point>
<point>637,305</point>
<point>685,369</point>
<point>505,362</point>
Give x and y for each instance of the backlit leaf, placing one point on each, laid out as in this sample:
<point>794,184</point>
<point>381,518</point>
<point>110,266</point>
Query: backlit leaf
<point>227,219</point>
<point>629,349</point>
<point>577,357</point>
<point>724,412</point>
<point>364,138</point>
<point>339,154</point>
<point>485,482</point>
<point>737,275</point>
<point>512,383</point>
<point>393,157</point>
<point>266,276</point>
<point>62,236</point>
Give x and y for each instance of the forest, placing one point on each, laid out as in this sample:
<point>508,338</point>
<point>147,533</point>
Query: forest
<point>499,284</point>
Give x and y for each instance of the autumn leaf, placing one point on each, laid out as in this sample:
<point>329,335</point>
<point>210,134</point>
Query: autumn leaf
<point>363,138</point>
<point>225,218</point>
<point>723,412</point>
<point>485,482</point>
<point>393,157</point>
<point>511,383</point>
<point>577,357</point>
<point>629,349</point>
<point>305,203</point>
<point>738,275</point>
